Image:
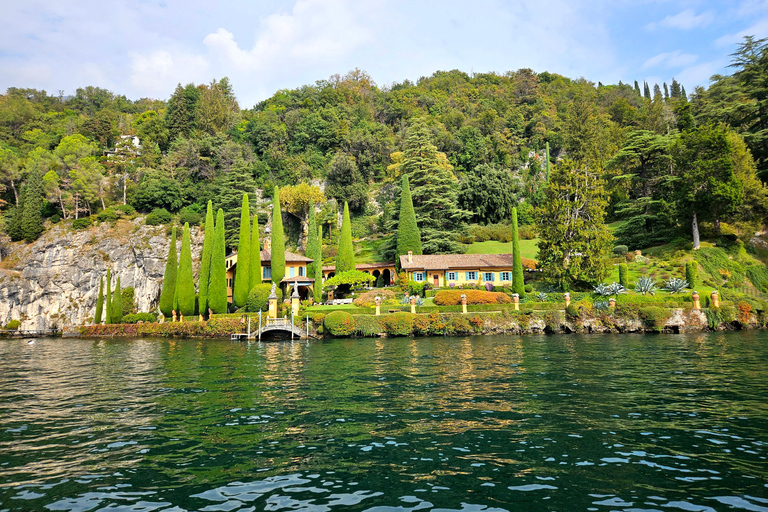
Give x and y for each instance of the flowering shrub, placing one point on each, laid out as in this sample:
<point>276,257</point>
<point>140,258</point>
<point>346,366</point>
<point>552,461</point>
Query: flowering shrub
<point>397,324</point>
<point>453,297</point>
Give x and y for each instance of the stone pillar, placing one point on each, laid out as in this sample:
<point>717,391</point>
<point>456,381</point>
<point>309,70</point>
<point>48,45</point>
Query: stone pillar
<point>612,302</point>
<point>295,301</point>
<point>413,304</point>
<point>463,304</point>
<point>715,299</point>
<point>174,315</point>
<point>162,319</point>
<point>378,306</point>
<point>330,295</point>
<point>200,318</point>
<point>516,301</point>
<point>696,300</point>
<point>567,297</point>
<point>181,317</point>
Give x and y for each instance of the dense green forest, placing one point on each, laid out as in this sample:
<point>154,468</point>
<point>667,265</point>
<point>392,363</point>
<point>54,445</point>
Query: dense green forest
<point>473,147</point>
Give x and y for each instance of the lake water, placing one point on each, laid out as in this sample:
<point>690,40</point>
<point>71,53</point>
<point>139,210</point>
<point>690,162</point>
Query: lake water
<point>492,423</point>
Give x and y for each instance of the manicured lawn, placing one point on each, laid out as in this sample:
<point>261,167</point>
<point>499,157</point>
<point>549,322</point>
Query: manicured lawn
<point>528,248</point>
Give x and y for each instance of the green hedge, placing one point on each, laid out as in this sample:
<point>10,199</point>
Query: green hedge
<point>339,323</point>
<point>139,317</point>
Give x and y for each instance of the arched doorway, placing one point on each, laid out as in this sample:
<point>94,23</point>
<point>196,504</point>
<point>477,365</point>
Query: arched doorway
<point>387,277</point>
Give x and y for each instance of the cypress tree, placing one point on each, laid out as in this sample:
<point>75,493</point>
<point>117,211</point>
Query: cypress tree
<point>278,241</point>
<point>168,292</point>
<point>408,235</point>
<point>205,263</point>
<point>185,283</point>
<point>31,216</point>
<point>548,164</point>
<point>313,244</point>
<point>518,281</point>
<point>217,286</point>
<point>623,275</point>
<point>637,89</point>
<point>692,273</point>
<point>242,284</point>
<point>109,297</point>
<point>255,267</point>
<point>317,288</point>
<point>345,260</point>
<point>646,91</point>
<point>99,303</point>
<point>117,304</point>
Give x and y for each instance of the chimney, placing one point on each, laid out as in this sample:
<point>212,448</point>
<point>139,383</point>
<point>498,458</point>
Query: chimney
<point>410,256</point>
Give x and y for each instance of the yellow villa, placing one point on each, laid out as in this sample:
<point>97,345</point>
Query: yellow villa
<point>445,270</point>
<point>295,272</point>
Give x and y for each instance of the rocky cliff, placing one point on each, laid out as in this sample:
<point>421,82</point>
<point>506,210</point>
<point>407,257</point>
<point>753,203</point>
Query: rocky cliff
<point>54,281</point>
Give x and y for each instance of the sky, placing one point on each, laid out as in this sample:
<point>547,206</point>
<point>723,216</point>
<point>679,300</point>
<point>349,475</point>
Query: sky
<point>144,48</point>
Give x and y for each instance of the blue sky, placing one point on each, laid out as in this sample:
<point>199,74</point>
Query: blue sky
<point>144,48</point>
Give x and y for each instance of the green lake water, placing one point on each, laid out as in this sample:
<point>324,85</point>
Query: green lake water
<point>486,423</point>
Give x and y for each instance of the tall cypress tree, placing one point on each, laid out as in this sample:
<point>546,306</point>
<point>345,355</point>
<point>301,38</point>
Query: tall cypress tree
<point>31,216</point>
<point>217,287</point>
<point>518,281</point>
<point>255,267</point>
<point>317,288</point>
<point>242,284</point>
<point>117,304</point>
<point>408,236</point>
<point>109,297</point>
<point>169,279</point>
<point>345,261</point>
<point>205,263</point>
<point>185,283</point>
<point>278,241</point>
<point>99,303</point>
<point>313,244</point>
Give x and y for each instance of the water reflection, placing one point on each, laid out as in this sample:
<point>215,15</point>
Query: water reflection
<point>477,423</point>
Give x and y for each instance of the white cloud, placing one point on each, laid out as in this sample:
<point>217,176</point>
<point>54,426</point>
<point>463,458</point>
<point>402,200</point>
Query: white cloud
<point>700,73</point>
<point>685,20</point>
<point>673,59</point>
<point>758,29</point>
<point>158,72</point>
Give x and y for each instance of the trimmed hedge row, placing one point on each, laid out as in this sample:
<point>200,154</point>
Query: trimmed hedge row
<point>453,297</point>
<point>214,328</point>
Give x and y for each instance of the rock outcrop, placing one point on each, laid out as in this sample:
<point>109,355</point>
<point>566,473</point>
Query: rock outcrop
<point>54,281</point>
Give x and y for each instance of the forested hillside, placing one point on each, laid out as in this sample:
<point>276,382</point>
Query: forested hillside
<point>665,161</point>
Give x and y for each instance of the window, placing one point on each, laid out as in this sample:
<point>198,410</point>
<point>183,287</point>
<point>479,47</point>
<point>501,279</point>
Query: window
<point>291,271</point>
<point>452,276</point>
<point>488,276</point>
<point>418,276</point>
<point>267,272</point>
<point>301,271</point>
<point>505,276</point>
<point>471,276</point>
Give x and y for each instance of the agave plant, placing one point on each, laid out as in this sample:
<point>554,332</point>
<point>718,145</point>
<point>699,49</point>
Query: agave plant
<point>616,289</point>
<point>406,300</point>
<point>541,296</point>
<point>602,305</point>
<point>645,284</point>
<point>675,285</point>
<point>419,301</point>
<point>602,289</point>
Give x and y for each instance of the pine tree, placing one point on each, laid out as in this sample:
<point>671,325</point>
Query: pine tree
<point>313,245</point>
<point>278,241</point>
<point>205,264</point>
<point>345,260</point>
<point>117,304</point>
<point>408,235</point>
<point>434,192</point>
<point>674,91</point>
<point>242,284</point>
<point>185,283</point>
<point>99,303</point>
<point>255,267</point>
<point>518,281</point>
<point>168,292</point>
<point>666,91</point>
<point>109,297</point>
<point>217,286</point>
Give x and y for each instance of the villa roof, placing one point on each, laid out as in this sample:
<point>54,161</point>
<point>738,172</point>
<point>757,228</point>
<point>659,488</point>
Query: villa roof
<point>290,257</point>
<point>452,261</point>
<point>362,266</point>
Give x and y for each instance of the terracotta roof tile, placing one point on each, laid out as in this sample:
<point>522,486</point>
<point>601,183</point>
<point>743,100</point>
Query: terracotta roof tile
<point>452,261</point>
